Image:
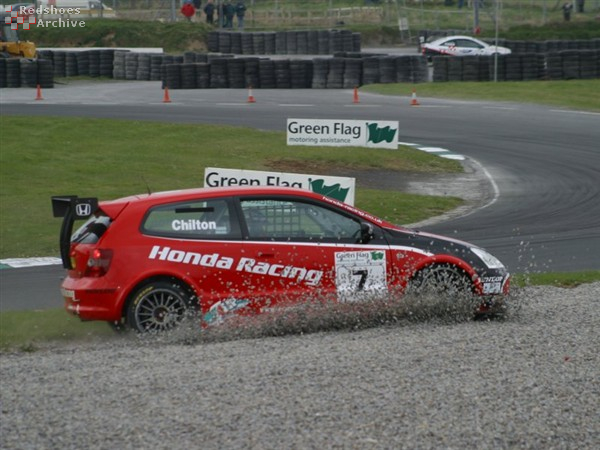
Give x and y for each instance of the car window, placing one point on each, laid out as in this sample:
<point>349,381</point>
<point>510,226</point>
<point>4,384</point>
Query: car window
<point>448,44</point>
<point>200,219</point>
<point>295,220</point>
<point>92,230</point>
<point>466,43</point>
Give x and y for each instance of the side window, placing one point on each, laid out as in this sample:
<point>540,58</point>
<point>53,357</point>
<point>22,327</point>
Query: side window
<point>290,219</point>
<point>200,219</point>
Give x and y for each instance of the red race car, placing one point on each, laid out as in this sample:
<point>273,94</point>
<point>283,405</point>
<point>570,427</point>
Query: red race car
<point>146,261</point>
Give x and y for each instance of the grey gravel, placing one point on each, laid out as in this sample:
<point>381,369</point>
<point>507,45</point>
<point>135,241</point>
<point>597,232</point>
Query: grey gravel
<point>531,380</point>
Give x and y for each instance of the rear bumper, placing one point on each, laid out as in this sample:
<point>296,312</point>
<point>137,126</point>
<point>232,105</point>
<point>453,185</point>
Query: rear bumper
<point>91,300</point>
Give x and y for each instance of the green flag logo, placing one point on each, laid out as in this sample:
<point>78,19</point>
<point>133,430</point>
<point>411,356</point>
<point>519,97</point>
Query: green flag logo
<point>377,135</point>
<point>335,191</point>
<point>377,256</point>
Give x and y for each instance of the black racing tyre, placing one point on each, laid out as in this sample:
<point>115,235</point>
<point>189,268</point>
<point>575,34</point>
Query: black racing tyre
<point>160,306</point>
<point>442,280</point>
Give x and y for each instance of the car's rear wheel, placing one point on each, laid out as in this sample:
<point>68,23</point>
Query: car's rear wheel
<point>160,306</point>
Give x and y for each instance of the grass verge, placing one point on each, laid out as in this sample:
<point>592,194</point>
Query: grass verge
<point>572,94</point>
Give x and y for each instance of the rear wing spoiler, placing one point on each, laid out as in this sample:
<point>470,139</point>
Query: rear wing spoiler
<point>71,208</point>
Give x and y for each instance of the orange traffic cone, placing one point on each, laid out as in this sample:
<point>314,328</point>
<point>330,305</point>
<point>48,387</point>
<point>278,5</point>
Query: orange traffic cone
<point>414,101</point>
<point>39,93</point>
<point>251,98</point>
<point>166,98</point>
<point>355,100</point>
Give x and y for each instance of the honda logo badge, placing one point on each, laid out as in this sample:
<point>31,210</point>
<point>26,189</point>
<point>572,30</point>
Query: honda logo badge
<point>83,209</point>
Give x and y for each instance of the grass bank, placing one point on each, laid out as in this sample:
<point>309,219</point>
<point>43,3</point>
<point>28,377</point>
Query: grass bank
<point>44,156</point>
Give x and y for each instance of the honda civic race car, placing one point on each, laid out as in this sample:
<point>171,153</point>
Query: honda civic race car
<point>461,46</point>
<point>145,261</point>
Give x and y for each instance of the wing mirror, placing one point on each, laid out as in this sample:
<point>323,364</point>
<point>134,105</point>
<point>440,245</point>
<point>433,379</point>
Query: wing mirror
<point>366,233</point>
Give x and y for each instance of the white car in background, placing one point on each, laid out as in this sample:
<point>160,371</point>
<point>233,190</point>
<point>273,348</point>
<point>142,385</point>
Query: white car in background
<point>461,46</point>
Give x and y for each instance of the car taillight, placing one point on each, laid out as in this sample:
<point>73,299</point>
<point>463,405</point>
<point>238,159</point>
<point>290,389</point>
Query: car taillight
<point>98,262</point>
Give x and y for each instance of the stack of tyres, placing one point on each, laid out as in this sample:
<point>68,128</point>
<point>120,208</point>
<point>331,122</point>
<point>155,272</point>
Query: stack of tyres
<point>258,42</point>
<point>387,69</point>
<point>587,64</point>
<point>440,68</point>
<point>470,68</point>
<point>529,67</point>
<point>554,67</point>
<point>499,70</point>
<point>455,68</point>
<point>143,67</point>
<point>403,69</point>
<point>323,44</point>
<point>201,58</point>
<point>335,77</point>
<point>131,64</point>
<point>247,42</point>
<point>236,77</point>
<point>225,42</point>
<point>352,73</point>
<point>514,68</point>
<point>45,73</point>
<point>282,74</point>
<point>251,72</point>
<point>172,79</point>
<point>570,64</point>
<point>301,73</point>
<point>59,62</point>
<point>94,65</point>
<point>291,43</point>
<point>312,42</point>
<point>419,69</point>
<point>302,42</point>
<point>189,57</point>
<point>212,41</point>
<point>28,72</point>
<point>3,73</point>
<point>202,75</point>
<point>270,43</point>
<point>356,42</point>
<point>236,43</point>
<point>347,40</point>
<point>280,42</point>
<point>370,70</point>
<point>71,65</point>
<point>336,42</point>
<point>13,73</point>
<point>83,63</point>
<point>106,62</point>
<point>320,71</point>
<point>156,62</point>
<point>266,70</point>
<point>218,73</point>
<point>188,75</point>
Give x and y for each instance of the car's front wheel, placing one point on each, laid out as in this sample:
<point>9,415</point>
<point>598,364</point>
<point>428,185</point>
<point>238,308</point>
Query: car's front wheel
<point>160,306</point>
<point>444,280</point>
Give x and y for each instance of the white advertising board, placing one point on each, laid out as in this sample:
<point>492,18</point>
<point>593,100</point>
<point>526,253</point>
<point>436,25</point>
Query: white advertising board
<point>342,133</point>
<point>339,188</point>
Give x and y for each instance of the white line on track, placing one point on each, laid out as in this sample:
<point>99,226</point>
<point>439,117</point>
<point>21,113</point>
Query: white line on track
<point>587,113</point>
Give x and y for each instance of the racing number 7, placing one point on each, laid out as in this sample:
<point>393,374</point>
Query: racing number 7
<point>363,278</point>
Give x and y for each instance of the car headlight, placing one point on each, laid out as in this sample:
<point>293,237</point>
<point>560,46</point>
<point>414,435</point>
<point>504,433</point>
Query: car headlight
<point>489,260</point>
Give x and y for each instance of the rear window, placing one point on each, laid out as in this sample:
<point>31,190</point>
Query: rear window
<point>200,219</point>
<point>92,230</point>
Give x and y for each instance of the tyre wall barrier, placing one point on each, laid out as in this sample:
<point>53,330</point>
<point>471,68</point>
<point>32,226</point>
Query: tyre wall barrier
<point>561,65</point>
<point>24,72</point>
<point>338,72</point>
<point>547,46</point>
<point>305,42</point>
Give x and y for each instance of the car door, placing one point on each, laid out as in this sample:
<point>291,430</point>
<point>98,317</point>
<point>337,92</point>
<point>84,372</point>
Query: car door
<point>298,249</point>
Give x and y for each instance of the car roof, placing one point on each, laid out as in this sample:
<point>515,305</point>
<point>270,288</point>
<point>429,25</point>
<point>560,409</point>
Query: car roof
<point>113,207</point>
<point>449,38</point>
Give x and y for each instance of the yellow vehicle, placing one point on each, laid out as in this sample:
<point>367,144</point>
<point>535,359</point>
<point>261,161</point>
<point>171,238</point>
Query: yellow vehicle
<point>10,45</point>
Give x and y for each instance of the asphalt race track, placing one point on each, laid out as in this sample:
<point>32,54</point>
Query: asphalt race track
<point>544,162</point>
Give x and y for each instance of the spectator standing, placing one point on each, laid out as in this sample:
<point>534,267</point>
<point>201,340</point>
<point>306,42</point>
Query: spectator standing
<point>188,10</point>
<point>228,12</point>
<point>198,7</point>
<point>580,5</point>
<point>209,10</point>
<point>240,12</point>
<point>567,8</point>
